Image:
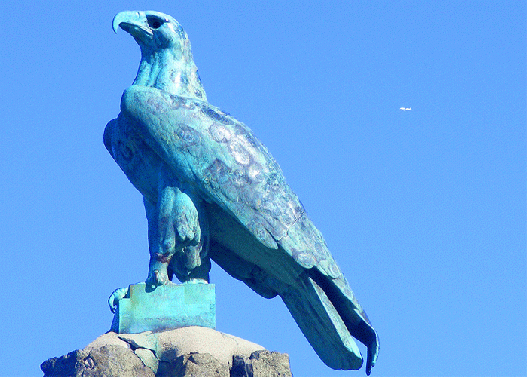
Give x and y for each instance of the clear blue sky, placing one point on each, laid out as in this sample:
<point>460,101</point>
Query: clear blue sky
<point>425,210</point>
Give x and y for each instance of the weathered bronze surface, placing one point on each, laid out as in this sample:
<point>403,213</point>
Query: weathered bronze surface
<point>212,190</point>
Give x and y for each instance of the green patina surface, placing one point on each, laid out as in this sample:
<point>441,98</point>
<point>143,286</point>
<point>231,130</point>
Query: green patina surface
<point>213,191</point>
<point>166,307</point>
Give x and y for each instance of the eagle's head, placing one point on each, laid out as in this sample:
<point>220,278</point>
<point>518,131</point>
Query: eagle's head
<point>166,57</point>
<point>152,30</point>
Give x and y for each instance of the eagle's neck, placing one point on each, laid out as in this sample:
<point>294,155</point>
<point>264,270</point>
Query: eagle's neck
<point>171,70</point>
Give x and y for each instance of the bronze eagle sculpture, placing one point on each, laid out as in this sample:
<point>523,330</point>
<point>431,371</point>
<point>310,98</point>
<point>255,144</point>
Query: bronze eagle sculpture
<point>212,190</point>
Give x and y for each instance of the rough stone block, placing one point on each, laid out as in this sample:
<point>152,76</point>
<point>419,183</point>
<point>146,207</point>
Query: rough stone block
<point>261,363</point>
<point>199,365</point>
<point>108,361</point>
<point>184,352</point>
<point>164,308</point>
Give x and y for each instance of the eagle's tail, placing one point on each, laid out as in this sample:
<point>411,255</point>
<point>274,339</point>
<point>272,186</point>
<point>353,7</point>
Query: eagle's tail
<point>329,323</point>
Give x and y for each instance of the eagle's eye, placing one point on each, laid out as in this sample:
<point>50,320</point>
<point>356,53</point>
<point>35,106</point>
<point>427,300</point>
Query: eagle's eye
<point>155,22</point>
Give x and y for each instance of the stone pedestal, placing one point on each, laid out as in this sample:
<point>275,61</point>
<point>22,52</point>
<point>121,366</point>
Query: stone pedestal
<point>184,352</point>
<point>164,308</point>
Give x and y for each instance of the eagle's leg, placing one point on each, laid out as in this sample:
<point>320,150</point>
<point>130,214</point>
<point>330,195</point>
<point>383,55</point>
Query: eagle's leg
<point>191,262</point>
<point>177,232</point>
<point>158,266</point>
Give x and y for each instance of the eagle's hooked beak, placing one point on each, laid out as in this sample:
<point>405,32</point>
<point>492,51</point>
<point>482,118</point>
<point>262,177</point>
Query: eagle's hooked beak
<point>134,23</point>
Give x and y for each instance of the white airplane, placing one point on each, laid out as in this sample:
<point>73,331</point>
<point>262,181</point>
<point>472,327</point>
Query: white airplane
<point>405,108</point>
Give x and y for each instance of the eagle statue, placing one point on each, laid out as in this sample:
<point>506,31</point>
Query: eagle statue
<point>213,191</point>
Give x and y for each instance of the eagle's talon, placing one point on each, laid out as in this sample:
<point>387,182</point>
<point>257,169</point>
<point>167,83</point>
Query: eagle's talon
<point>157,278</point>
<point>115,297</point>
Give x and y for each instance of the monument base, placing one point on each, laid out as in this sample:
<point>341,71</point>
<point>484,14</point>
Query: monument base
<point>164,308</point>
<point>184,352</point>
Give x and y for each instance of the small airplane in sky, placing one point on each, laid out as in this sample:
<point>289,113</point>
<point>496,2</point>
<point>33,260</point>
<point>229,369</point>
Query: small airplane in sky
<point>405,108</point>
